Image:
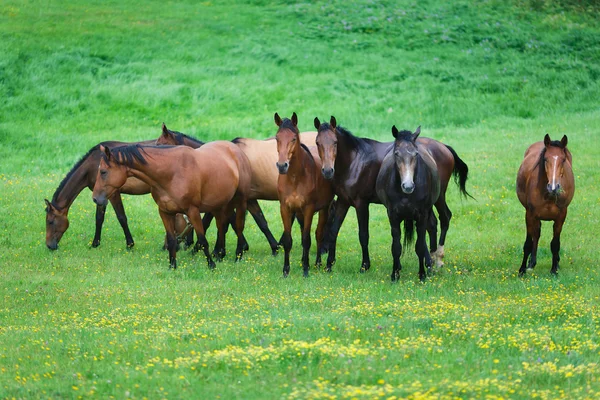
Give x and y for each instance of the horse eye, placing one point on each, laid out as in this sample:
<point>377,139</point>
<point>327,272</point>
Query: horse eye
<point>50,222</point>
<point>103,173</point>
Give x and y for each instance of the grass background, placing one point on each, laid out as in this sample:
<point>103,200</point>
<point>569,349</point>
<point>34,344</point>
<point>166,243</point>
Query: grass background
<point>487,77</point>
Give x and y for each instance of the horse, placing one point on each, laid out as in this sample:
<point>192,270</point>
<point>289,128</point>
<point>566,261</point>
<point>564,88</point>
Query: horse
<point>545,187</point>
<point>262,154</point>
<point>302,190</point>
<point>213,178</point>
<point>82,175</point>
<point>408,184</point>
<point>353,163</point>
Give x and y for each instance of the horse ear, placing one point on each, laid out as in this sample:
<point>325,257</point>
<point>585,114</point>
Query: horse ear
<point>547,140</point>
<point>416,134</point>
<point>295,119</point>
<point>106,152</point>
<point>317,123</point>
<point>48,205</point>
<point>332,122</point>
<point>278,120</point>
<point>165,131</point>
<point>564,141</point>
<point>395,131</point>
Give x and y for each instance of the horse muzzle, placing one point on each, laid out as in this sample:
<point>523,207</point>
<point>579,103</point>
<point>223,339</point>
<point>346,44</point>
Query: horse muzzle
<point>328,173</point>
<point>408,188</point>
<point>555,191</point>
<point>52,245</point>
<point>100,200</point>
<point>283,167</point>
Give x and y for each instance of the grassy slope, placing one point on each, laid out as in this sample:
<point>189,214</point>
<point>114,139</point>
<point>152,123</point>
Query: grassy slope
<point>488,78</point>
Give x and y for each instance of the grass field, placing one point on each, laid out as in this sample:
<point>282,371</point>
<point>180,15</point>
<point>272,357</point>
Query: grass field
<point>487,77</point>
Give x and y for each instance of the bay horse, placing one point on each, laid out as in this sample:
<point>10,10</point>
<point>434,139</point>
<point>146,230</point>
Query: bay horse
<point>352,164</point>
<point>213,178</point>
<point>262,155</point>
<point>301,188</point>
<point>408,184</point>
<point>545,187</point>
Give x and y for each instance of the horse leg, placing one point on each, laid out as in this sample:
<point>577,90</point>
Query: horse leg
<point>555,244</point>
<point>536,225</point>
<point>117,204</point>
<point>528,245</point>
<point>260,220</point>
<point>319,233</point>
<point>341,209</point>
<point>286,239</point>
<point>240,221</point>
<point>431,228</point>
<point>201,242</point>
<point>169,223</point>
<point>445,215</point>
<point>223,222</point>
<point>307,213</point>
<point>396,245</point>
<point>421,248</point>
<point>100,211</point>
<point>362,215</point>
<point>207,219</point>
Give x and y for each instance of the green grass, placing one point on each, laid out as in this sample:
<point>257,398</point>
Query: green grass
<point>488,78</point>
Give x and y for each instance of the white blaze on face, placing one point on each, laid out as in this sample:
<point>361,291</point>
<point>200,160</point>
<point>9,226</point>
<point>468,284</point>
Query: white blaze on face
<point>554,173</point>
<point>407,173</point>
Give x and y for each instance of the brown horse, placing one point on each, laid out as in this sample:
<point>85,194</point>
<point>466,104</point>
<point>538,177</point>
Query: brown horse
<point>545,187</point>
<point>262,155</point>
<point>301,188</point>
<point>352,164</point>
<point>214,178</point>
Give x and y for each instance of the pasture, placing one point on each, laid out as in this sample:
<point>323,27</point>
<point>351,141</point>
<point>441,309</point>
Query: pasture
<point>488,78</point>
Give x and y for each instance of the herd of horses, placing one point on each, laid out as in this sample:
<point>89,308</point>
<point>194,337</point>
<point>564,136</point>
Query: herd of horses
<point>324,172</point>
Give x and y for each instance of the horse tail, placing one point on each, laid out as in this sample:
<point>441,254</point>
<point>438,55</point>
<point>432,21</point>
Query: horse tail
<point>409,232</point>
<point>460,173</point>
<point>328,235</point>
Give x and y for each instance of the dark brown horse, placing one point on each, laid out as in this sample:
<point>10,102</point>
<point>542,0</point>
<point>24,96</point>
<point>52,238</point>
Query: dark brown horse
<point>545,187</point>
<point>213,178</point>
<point>408,184</point>
<point>82,175</point>
<point>301,188</point>
<point>353,163</point>
<point>262,155</point>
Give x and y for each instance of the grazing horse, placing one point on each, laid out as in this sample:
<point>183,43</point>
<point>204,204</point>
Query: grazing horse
<point>545,187</point>
<point>408,184</point>
<point>353,163</point>
<point>301,188</point>
<point>82,175</point>
<point>213,178</point>
<point>262,154</point>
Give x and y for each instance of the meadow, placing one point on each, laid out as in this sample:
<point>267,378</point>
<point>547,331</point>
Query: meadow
<point>486,77</point>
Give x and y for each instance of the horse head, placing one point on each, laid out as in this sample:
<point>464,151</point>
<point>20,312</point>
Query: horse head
<point>327,144</point>
<point>111,176</point>
<point>288,141</point>
<point>168,137</point>
<point>405,156</point>
<point>57,224</point>
<point>554,157</point>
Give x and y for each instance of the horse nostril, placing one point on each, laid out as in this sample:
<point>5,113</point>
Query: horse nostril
<point>95,201</point>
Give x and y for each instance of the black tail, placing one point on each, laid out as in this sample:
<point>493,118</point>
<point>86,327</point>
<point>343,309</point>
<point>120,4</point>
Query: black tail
<point>461,173</point>
<point>409,232</point>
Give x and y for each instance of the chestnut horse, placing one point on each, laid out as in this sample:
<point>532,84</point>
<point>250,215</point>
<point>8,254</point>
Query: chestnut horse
<point>262,155</point>
<point>408,184</point>
<point>213,178</point>
<point>545,187</point>
<point>352,164</point>
<point>301,188</point>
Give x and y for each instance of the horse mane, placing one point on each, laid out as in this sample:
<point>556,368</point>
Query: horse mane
<point>181,136</point>
<point>354,142</point>
<point>72,171</point>
<point>404,135</point>
<point>307,150</point>
<point>127,155</point>
<point>237,140</point>
<point>288,124</point>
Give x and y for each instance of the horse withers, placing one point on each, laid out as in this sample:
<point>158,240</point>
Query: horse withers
<point>213,178</point>
<point>408,184</point>
<point>545,187</point>
<point>302,190</point>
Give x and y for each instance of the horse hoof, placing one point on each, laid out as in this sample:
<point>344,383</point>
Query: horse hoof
<point>274,251</point>
<point>328,269</point>
<point>246,247</point>
<point>129,245</point>
<point>212,265</point>
<point>95,244</point>
<point>238,257</point>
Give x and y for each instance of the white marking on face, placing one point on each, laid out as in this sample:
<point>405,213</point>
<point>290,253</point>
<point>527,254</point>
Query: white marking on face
<point>555,167</point>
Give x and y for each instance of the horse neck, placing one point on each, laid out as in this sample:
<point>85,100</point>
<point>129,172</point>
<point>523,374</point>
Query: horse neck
<point>299,163</point>
<point>345,153</point>
<point>77,180</point>
<point>153,172</point>
<point>191,143</point>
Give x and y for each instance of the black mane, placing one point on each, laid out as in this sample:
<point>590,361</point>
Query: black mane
<point>71,172</point>
<point>127,155</point>
<point>307,150</point>
<point>404,135</point>
<point>180,137</point>
<point>288,124</point>
<point>354,142</point>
